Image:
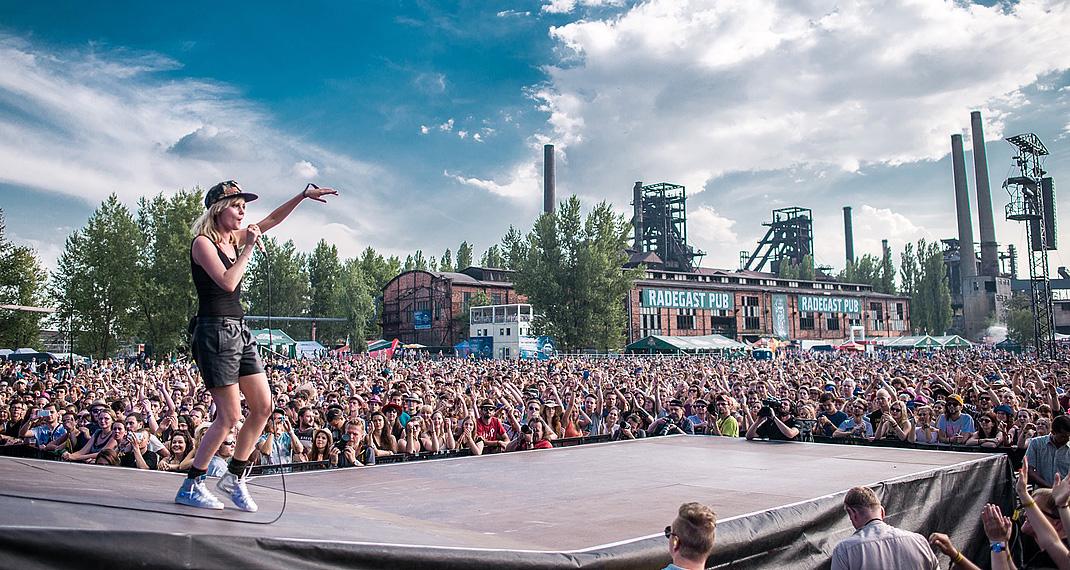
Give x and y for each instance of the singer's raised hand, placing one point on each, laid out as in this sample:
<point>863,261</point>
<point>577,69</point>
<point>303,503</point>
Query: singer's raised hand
<point>316,193</point>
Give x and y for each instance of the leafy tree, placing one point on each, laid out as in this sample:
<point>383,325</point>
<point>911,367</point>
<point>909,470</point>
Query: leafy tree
<point>95,284</point>
<point>570,270</point>
<point>930,306</point>
<point>908,270</point>
<point>1020,320</point>
<point>513,248</point>
<point>464,255</point>
<point>358,306</point>
<point>165,297</point>
<point>492,257</point>
<point>419,261</point>
<point>886,274</point>
<point>22,282</point>
<point>445,263</point>
<point>325,290</point>
<point>804,270</point>
<point>410,263</point>
<point>376,272</point>
<point>278,284</point>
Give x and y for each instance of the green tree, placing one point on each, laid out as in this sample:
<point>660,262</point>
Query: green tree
<point>410,263</point>
<point>165,297</point>
<point>464,255</point>
<point>908,270</point>
<point>513,248</point>
<point>1020,320</point>
<point>445,263</point>
<point>886,274</point>
<point>325,290</point>
<point>930,306</point>
<point>492,257</point>
<point>278,284</point>
<point>22,282</point>
<point>96,280</point>
<point>419,262</point>
<point>570,270</point>
<point>358,305</point>
<point>804,270</point>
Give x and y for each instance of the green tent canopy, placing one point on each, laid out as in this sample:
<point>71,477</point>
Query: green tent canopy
<point>675,344</point>
<point>953,341</point>
<point>910,342</point>
<point>275,340</point>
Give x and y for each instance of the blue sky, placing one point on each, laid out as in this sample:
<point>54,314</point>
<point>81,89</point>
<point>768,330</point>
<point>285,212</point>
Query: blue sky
<point>429,116</point>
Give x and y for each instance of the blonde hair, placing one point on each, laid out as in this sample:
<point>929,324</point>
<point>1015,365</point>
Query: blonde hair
<point>205,224</point>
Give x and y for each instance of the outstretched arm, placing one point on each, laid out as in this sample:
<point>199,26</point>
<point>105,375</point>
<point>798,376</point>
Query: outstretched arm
<point>279,214</point>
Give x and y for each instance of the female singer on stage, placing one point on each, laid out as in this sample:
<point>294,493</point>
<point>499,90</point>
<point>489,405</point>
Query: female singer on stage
<point>222,345</point>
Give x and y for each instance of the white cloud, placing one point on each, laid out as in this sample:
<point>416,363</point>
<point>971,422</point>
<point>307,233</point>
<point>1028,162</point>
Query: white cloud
<point>424,129</point>
<point>430,82</point>
<point>477,137</point>
<point>524,182</point>
<point>567,6</point>
<point>512,13</point>
<point>710,231</point>
<point>90,125</point>
<point>462,134</point>
<point>696,90</point>
<point>447,126</point>
<point>305,170</point>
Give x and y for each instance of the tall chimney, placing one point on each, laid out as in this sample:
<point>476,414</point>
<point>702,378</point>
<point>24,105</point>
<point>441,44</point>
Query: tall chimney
<point>637,217</point>
<point>987,227</point>
<point>848,234</point>
<point>968,260</point>
<point>549,179</point>
<point>885,250</point>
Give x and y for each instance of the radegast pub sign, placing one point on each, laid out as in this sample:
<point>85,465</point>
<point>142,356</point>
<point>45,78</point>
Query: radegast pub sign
<point>684,299</point>
<point>822,304</point>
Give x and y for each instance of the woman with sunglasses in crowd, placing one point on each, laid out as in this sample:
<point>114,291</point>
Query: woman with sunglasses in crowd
<point>103,439</point>
<point>989,431</point>
<point>222,345</point>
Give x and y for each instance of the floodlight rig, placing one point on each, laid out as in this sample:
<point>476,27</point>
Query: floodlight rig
<point>1027,205</point>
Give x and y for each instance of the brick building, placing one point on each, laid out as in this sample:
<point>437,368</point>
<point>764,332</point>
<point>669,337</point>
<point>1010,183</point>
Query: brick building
<point>431,307</point>
<point>746,305</point>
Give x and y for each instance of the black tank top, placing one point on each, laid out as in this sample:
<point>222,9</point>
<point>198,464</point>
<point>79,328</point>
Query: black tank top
<point>214,301</point>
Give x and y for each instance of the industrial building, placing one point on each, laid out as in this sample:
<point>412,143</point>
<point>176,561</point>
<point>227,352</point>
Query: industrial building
<point>431,307</point>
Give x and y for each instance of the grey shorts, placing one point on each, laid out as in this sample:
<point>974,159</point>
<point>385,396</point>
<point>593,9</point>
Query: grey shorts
<point>224,350</point>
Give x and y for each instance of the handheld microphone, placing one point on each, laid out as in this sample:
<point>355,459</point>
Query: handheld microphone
<point>260,246</point>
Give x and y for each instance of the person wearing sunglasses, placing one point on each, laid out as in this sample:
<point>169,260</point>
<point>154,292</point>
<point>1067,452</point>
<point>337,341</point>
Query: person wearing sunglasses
<point>222,345</point>
<point>691,536</point>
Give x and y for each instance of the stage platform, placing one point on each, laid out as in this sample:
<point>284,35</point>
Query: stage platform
<point>779,505</point>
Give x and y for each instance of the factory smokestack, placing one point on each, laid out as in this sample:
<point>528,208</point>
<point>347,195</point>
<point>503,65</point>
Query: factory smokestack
<point>885,250</point>
<point>967,258</point>
<point>637,218</point>
<point>985,223</point>
<point>848,235</point>
<point>549,179</point>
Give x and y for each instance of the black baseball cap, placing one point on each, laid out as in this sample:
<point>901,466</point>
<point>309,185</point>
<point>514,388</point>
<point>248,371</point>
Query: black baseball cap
<point>226,189</point>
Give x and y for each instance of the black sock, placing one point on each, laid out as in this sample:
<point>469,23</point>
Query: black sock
<point>194,473</point>
<point>237,466</point>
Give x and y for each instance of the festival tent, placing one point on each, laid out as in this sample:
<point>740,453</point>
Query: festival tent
<point>852,345</point>
<point>953,341</point>
<point>910,342</point>
<point>380,344</point>
<point>276,341</point>
<point>657,343</point>
<point>1010,345</point>
<point>310,349</point>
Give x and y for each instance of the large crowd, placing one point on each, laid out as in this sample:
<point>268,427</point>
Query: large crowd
<point>349,412</point>
<point>356,411</point>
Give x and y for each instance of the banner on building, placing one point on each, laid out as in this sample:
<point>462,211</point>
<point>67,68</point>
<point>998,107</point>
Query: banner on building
<point>684,299</point>
<point>829,304</point>
<point>781,329</point>
<point>537,348</point>
<point>421,320</point>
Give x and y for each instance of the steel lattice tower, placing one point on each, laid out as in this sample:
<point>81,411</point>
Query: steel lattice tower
<point>1027,205</point>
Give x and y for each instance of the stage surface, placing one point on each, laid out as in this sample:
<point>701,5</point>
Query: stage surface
<point>590,506</point>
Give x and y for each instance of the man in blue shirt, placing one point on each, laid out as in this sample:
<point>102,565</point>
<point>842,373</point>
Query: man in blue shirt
<point>955,427</point>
